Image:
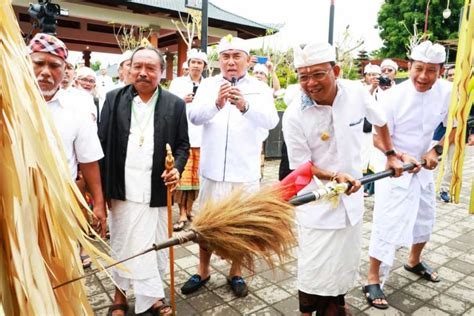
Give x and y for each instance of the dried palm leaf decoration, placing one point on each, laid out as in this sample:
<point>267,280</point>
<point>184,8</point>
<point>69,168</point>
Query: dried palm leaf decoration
<point>41,222</point>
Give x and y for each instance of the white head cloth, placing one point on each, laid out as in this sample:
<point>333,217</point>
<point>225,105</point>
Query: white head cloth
<point>260,68</point>
<point>194,53</point>
<point>126,55</point>
<point>369,68</point>
<point>428,52</point>
<point>185,65</point>
<point>389,63</point>
<point>313,54</point>
<point>229,42</point>
<point>85,72</point>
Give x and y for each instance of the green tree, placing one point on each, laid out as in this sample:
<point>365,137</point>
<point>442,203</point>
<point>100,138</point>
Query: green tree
<point>399,20</point>
<point>95,65</point>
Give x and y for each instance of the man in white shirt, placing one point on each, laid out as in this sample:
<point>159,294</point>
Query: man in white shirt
<point>123,69</point>
<point>404,211</point>
<point>76,128</point>
<point>136,123</point>
<point>185,87</point>
<point>236,111</point>
<point>324,125</point>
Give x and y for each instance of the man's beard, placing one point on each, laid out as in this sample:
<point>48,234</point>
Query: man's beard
<point>47,93</point>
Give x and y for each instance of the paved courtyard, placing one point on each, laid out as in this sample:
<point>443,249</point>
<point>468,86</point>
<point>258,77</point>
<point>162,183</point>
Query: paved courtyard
<point>450,251</point>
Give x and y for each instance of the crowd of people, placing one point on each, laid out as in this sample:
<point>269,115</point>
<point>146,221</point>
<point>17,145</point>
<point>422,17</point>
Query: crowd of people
<point>115,146</point>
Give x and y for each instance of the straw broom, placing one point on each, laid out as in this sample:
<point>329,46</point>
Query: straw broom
<point>245,226</point>
<point>240,228</point>
<point>41,221</point>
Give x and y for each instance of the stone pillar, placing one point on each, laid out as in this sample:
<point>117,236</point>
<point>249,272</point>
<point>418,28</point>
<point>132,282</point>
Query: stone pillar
<point>182,53</point>
<point>169,66</point>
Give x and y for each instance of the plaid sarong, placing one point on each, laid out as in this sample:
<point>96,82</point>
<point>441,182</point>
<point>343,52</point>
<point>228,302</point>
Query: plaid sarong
<point>190,177</point>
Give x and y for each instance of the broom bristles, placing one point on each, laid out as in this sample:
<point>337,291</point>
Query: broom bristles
<point>246,226</point>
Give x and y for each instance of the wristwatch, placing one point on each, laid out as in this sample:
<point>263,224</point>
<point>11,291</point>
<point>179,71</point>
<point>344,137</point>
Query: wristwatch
<point>438,149</point>
<point>390,152</point>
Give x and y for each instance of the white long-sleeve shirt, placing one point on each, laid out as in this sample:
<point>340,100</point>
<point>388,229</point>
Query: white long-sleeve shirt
<point>232,141</point>
<point>181,87</point>
<point>304,124</point>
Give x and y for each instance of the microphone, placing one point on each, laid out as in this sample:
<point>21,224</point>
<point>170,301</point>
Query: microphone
<point>233,81</point>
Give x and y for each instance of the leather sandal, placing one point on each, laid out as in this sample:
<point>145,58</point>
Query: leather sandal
<point>179,225</point>
<point>373,292</point>
<point>424,270</point>
<point>118,307</point>
<point>159,310</point>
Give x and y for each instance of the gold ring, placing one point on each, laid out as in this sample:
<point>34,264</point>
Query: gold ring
<point>236,98</point>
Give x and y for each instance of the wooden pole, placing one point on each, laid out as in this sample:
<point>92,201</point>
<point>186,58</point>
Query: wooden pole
<point>169,165</point>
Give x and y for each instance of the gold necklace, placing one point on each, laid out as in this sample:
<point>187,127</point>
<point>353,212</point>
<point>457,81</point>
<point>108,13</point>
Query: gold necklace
<point>139,125</point>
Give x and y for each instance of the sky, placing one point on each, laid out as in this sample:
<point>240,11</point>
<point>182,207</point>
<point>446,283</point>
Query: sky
<point>308,20</point>
<point>305,21</point>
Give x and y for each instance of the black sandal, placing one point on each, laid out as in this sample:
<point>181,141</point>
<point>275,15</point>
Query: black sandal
<point>158,311</point>
<point>179,225</point>
<point>118,307</point>
<point>373,292</point>
<point>424,270</point>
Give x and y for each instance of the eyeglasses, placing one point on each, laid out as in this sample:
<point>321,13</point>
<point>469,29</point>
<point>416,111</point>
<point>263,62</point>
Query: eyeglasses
<point>91,81</point>
<point>387,70</point>
<point>316,76</point>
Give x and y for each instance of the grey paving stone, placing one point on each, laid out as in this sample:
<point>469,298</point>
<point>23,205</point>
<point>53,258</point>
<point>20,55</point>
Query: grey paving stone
<point>404,302</point>
<point>288,307</point>
<point>276,275</point>
<point>94,288</point>
<point>221,310</point>
<point>272,294</point>
<point>467,282</point>
<point>184,308</point>
<point>180,252</point>
<point>460,266</point>
<point>356,298</point>
<point>449,304</point>
<point>100,300</point>
<point>448,251</point>
<point>420,291</point>
<point>447,232</point>
<point>217,280</point>
<point>289,285</point>
<point>459,245</point>
<point>291,267</point>
<point>267,311</point>
<point>225,293</point>
<point>205,301</point>
<point>397,281</point>
<point>438,286</point>
<point>248,304</point>
<point>257,282</point>
<point>437,258</point>
<point>187,262</point>
<point>439,239</point>
<point>450,274</point>
<point>462,293</point>
<point>429,310</point>
<point>101,312</point>
<point>468,257</point>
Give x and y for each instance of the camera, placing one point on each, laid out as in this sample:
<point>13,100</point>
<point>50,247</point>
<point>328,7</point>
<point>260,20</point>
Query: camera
<point>45,12</point>
<point>384,81</point>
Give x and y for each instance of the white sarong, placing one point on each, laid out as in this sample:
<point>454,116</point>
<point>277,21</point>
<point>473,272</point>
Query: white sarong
<point>328,259</point>
<point>403,215</point>
<point>135,227</point>
<point>211,190</point>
